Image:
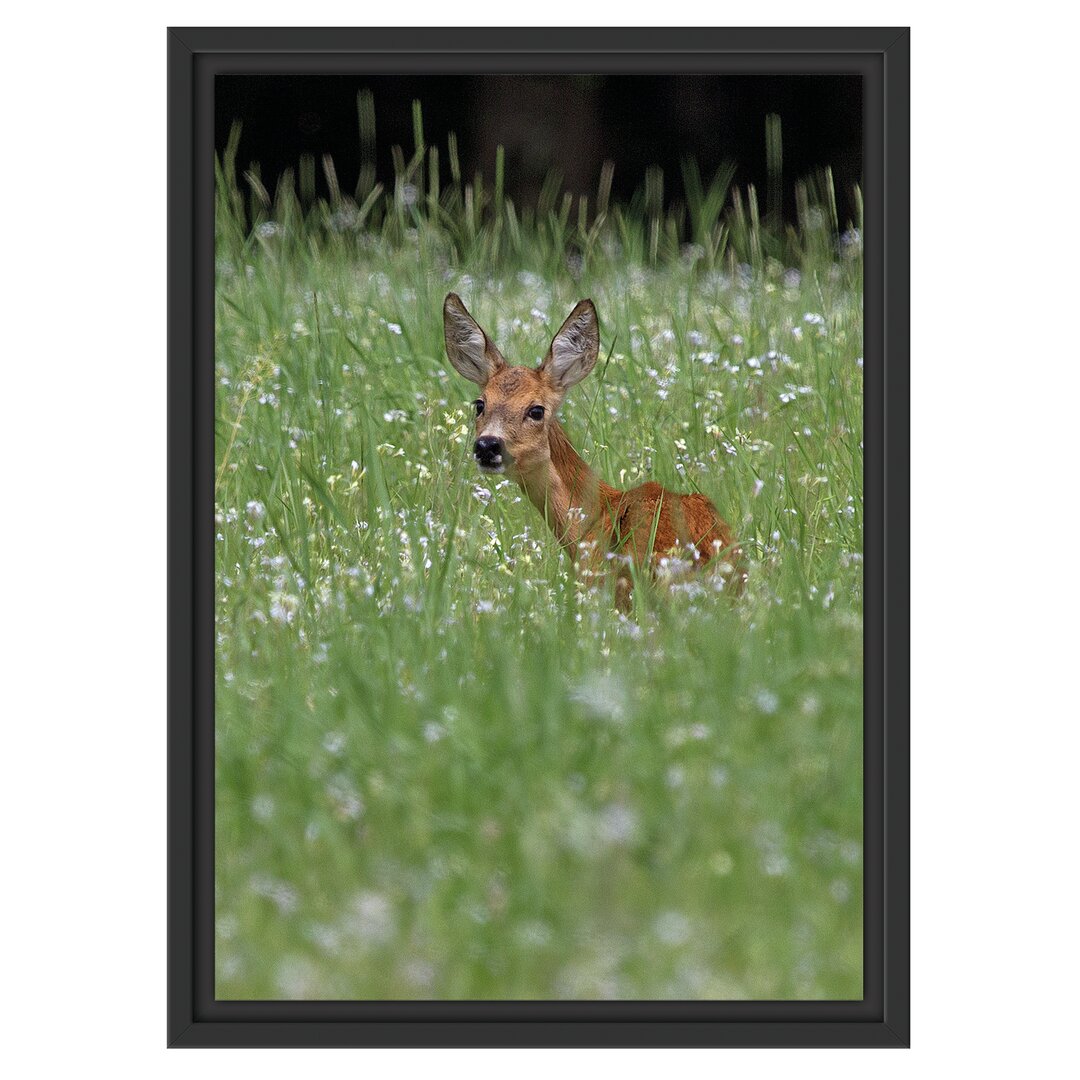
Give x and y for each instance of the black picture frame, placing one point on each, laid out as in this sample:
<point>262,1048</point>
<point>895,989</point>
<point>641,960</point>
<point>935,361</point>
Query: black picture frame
<point>194,1018</point>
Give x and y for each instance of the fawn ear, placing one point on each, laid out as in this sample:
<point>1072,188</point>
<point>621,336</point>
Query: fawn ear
<point>469,349</point>
<point>574,348</point>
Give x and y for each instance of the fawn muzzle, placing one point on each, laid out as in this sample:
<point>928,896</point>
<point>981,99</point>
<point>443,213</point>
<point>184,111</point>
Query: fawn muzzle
<point>490,453</point>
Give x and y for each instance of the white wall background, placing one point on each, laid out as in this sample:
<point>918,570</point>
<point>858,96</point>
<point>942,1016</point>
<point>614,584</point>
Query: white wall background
<point>994,386</point>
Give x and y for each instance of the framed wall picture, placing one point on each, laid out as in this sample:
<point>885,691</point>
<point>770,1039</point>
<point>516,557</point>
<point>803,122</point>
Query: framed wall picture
<point>539,537</point>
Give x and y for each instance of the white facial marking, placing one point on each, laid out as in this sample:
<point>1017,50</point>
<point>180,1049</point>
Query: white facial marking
<point>494,430</point>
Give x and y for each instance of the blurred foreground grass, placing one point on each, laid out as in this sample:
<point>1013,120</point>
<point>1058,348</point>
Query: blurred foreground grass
<point>443,769</point>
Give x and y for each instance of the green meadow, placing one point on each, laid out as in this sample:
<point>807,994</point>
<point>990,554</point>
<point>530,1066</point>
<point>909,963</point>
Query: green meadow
<point>447,769</point>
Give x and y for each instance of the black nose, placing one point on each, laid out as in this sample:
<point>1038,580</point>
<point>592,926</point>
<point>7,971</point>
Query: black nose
<point>489,450</point>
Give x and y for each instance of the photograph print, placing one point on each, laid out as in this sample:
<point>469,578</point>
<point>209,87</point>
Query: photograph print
<point>538,537</point>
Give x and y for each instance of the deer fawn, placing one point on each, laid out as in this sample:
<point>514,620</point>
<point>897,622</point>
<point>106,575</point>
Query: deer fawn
<point>517,433</point>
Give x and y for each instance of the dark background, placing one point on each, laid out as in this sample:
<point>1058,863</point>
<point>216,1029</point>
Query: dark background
<point>569,122</point>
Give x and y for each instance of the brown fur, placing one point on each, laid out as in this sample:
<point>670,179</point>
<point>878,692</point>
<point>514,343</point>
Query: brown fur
<point>647,526</point>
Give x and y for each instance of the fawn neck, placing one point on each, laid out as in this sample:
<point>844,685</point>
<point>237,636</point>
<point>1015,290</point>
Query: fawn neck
<point>566,491</point>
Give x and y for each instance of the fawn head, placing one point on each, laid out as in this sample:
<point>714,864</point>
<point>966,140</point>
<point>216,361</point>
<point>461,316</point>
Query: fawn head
<point>517,403</point>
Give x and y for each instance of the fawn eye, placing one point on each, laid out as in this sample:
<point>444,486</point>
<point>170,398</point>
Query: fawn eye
<point>479,406</point>
<point>536,412</point>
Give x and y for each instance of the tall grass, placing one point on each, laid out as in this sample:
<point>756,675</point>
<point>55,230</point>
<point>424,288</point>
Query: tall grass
<point>445,768</point>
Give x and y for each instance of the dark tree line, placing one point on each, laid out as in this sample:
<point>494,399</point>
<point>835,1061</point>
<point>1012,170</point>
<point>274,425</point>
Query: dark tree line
<point>572,123</point>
